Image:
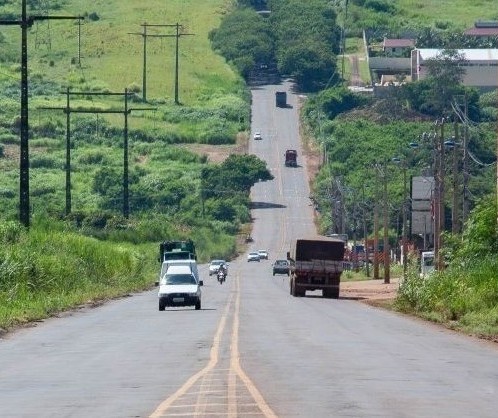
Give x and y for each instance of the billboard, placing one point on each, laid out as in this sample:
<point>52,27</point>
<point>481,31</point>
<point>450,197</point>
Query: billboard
<point>422,190</point>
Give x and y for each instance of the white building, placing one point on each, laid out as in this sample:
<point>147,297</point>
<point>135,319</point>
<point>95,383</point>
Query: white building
<point>481,66</point>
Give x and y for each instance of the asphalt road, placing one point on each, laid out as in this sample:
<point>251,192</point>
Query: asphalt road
<point>253,350</point>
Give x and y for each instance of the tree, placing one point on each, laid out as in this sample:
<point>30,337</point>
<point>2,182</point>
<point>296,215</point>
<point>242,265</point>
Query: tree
<point>237,174</point>
<point>434,94</point>
<point>445,77</point>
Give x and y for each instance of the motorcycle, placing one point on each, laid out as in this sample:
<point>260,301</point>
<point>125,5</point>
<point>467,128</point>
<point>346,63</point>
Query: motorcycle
<point>221,276</point>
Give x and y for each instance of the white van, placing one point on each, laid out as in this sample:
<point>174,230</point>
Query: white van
<point>426,263</point>
<point>192,264</point>
<point>179,287</point>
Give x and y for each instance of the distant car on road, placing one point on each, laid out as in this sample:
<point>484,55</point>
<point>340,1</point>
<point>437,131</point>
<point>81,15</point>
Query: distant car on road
<point>281,267</point>
<point>214,266</point>
<point>263,254</point>
<point>257,135</point>
<point>253,256</point>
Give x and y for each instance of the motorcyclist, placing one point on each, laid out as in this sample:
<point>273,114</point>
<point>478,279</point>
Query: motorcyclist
<point>223,268</point>
<point>222,272</point>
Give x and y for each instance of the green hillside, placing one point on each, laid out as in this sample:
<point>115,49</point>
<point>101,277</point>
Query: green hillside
<point>111,58</point>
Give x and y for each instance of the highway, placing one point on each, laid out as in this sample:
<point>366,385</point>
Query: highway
<point>252,350</point>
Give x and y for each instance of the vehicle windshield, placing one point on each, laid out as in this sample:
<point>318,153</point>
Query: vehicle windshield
<point>217,262</point>
<point>281,262</point>
<point>179,279</point>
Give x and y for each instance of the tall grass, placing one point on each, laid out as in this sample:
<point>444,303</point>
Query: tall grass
<point>51,269</point>
<point>464,298</point>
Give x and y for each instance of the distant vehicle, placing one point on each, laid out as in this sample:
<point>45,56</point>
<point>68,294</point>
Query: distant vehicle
<point>291,158</point>
<point>257,135</point>
<point>316,264</point>
<point>281,99</point>
<point>281,267</point>
<point>263,254</point>
<point>214,266</point>
<point>426,263</point>
<point>253,256</point>
<point>192,264</point>
<point>179,287</point>
<point>177,250</point>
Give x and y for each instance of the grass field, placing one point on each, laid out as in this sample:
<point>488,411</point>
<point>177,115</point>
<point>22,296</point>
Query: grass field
<point>112,57</point>
<point>460,12</point>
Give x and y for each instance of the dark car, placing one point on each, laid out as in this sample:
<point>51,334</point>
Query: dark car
<point>281,267</point>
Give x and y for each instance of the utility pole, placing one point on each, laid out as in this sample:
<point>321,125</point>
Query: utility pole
<point>387,258</point>
<point>465,169</point>
<point>79,43</point>
<point>455,224</point>
<point>26,22</point>
<point>125,112</point>
<point>343,36</point>
<point>376,228</point>
<point>144,35</point>
<point>439,206</point>
<point>404,232</point>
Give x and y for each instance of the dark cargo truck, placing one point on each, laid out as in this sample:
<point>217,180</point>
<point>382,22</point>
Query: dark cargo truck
<point>177,250</point>
<point>291,158</point>
<point>316,264</point>
<point>281,99</point>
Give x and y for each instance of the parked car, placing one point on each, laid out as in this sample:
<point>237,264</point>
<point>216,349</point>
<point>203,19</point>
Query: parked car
<point>281,267</point>
<point>253,256</point>
<point>257,135</point>
<point>215,265</point>
<point>179,287</point>
<point>263,254</point>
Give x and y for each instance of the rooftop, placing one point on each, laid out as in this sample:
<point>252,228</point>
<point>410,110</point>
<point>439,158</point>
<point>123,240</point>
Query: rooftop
<point>398,43</point>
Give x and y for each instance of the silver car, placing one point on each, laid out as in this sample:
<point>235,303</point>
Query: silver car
<point>253,256</point>
<point>214,266</point>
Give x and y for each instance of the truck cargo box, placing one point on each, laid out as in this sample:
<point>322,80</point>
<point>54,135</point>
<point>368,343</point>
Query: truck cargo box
<point>316,264</point>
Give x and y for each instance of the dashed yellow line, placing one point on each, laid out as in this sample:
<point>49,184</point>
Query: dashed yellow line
<point>214,354</point>
<point>235,363</point>
<point>234,371</point>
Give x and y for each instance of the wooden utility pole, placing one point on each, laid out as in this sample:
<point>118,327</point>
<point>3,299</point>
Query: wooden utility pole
<point>126,111</point>
<point>387,256</point>
<point>439,218</point>
<point>26,22</point>
<point>145,35</point>
<point>455,222</point>
<point>376,228</point>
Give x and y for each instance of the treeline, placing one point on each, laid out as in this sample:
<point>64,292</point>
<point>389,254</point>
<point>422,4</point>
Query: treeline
<point>300,38</point>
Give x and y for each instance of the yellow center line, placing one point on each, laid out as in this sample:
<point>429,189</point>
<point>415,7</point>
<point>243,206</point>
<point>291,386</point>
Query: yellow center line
<point>235,362</point>
<point>163,407</point>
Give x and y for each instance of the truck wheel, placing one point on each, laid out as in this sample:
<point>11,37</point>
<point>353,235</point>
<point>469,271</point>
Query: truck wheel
<point>198,306</point>
<point>161,306</point>
<point>335,293</point>
<point>327,294</point>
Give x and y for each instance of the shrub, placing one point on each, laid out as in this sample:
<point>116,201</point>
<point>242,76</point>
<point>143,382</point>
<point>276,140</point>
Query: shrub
<point>93,156</point>
<point>9,138</point>
<point>41,161</point>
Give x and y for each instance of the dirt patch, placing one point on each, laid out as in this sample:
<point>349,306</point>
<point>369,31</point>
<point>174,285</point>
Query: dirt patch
<point>219,153</point>
<point>371,291</point>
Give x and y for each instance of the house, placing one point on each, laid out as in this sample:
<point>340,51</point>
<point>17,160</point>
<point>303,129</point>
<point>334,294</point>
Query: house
<point>483,29</point>
<point>481,66</point>
<point>398,47</point>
